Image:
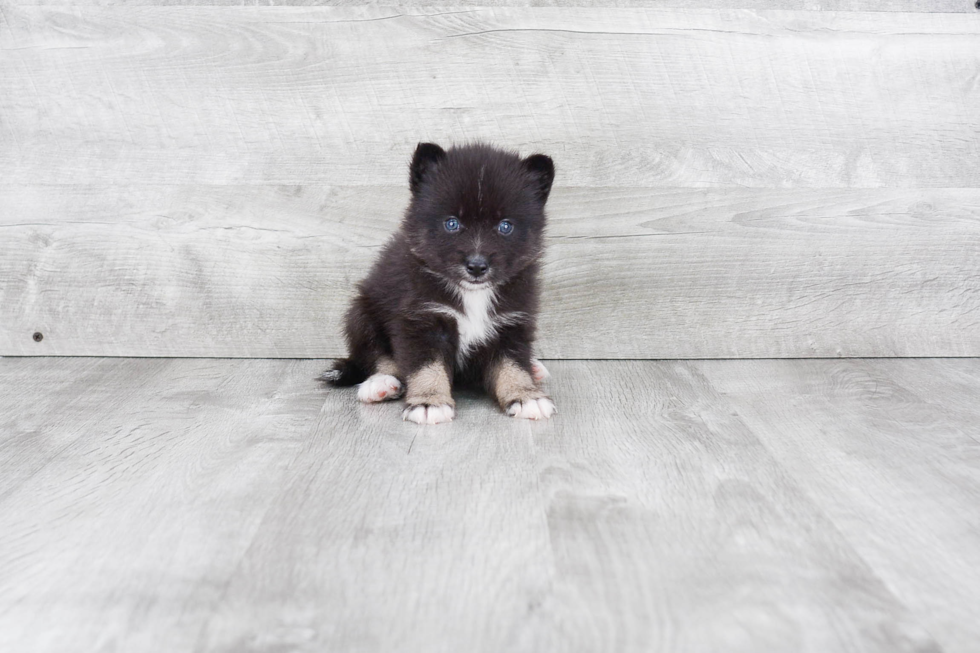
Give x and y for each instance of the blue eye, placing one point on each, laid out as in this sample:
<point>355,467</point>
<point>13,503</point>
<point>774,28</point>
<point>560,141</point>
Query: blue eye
<point>452,224</point>
<point>505,227</point>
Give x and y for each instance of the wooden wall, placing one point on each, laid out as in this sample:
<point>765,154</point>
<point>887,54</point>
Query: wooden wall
<point>768,181</point>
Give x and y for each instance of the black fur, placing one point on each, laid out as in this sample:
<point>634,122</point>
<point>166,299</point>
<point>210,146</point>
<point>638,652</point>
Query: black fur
<point>345,372</point>
<point>423,265</point>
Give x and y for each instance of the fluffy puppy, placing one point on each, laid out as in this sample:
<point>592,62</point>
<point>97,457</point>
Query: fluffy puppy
<point>453,296</point>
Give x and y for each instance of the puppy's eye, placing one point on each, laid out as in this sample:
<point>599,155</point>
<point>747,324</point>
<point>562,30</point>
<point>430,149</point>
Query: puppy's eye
<point>452,224</point>
<point>505,227</point>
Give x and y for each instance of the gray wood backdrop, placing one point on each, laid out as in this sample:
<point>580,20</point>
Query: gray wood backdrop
<point>767,181</point>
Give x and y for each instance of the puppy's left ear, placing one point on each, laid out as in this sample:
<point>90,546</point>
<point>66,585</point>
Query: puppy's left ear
<point>542,172</point>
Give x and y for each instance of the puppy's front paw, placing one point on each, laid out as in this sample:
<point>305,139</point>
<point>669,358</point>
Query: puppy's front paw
<point>429,413</point>
<point>379,387</point>
<point>539,372</point>
<point>541,408</point>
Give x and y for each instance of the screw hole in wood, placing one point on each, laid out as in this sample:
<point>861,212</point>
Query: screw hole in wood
<point>38,336</point>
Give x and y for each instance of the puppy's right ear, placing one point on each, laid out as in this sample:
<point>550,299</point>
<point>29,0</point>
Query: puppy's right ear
<point>427,156</point>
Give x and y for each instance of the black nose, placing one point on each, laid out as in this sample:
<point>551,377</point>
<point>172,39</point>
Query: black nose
<point>476,265</point>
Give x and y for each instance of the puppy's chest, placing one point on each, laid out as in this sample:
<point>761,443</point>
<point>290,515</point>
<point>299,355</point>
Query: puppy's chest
<point>478,321</point>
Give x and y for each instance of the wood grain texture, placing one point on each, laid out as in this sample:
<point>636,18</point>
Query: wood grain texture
<point>914,6</point>
<point>392,536</point>
<point>659,497</point>
<point>45,406</point>
<point>124,540</point>
<point>235,506</point>
<point>631,97</point>
<point>864,435</point>
<point>630,273</point>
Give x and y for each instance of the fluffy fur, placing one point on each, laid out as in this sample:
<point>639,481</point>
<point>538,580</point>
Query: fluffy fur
<point>443,305</point>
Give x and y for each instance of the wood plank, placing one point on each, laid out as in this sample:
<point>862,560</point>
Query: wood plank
<point>949,384</point>
<point>397,537</point>
<point>632,97</point>
<point>914,6</point>
<point>890,450</point>
<point>674,529</point>
<point>46,406</point>
<point>127,537</point>
<point>630,273</point>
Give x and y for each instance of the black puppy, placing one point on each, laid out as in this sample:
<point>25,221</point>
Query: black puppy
<point>454,294</point>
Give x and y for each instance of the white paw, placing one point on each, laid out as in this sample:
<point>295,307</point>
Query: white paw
<point>379,387</point>
<point>539,372</point>
<point>542,408</point>
<point>429,414</point>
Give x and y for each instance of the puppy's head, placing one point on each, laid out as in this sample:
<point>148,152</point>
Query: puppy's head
<point>477,213</point>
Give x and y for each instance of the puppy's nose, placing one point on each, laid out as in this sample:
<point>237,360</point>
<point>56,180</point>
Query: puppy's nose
<point>476,265</point>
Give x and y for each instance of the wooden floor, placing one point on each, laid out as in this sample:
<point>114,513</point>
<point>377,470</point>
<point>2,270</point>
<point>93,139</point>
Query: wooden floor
<point>234,505</point>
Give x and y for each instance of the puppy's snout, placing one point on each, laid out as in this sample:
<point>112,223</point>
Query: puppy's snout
<point>477,265</point>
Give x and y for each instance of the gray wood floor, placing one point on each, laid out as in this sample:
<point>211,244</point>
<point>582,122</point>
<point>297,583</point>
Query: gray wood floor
<point>233,505</point>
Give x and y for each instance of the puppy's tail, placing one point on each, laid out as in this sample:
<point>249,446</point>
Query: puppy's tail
<point>345,372</point>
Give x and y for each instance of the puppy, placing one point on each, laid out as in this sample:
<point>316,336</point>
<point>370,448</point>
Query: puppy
<point>453,296</point>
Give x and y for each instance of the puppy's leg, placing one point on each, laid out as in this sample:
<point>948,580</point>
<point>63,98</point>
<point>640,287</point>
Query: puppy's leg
<point>429,395</point>
<point>383,385</point>
<point>516,391</point>
<point>425,347</point>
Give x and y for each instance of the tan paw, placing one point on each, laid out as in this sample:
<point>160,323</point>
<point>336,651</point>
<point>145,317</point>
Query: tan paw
<point>542,408</point>
<point>429,414</point>
<point>379,387</point>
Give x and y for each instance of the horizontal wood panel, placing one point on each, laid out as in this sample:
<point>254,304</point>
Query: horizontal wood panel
<point>267,271</point>
<point>921,6</point>
<point>621,98</point>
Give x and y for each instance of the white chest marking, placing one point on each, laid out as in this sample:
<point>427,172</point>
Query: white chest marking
<point>478,321</point>
<point>475,323</point>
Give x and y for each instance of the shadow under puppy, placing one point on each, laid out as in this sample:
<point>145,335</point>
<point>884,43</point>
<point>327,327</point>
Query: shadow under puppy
<point>453,296</point>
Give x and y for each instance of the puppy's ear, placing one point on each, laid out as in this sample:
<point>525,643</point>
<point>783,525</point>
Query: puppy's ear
<point>542,172</point>
<point>427,156</point>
